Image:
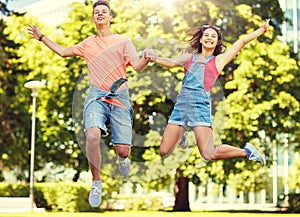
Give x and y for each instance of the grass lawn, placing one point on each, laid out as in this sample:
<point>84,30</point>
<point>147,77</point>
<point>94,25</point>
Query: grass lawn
<point>149,214</point>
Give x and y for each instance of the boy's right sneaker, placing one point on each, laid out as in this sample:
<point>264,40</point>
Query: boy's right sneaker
<point>95,193</point>
<point>184,143</point>
<point>124,166</point>
<point>254,154</point>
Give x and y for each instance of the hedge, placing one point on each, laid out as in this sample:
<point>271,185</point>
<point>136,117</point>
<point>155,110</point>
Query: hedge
<point>73,197</point>
<point>294,203</point>
<point>66,197</point>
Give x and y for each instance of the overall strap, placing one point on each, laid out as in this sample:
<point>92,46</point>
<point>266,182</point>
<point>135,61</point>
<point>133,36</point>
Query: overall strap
<point>191,60</point>
<point>194,58</point>
<point>208,59</point>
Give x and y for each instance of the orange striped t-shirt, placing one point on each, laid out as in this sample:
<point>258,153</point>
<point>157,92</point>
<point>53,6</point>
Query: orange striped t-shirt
<point>106,58</point>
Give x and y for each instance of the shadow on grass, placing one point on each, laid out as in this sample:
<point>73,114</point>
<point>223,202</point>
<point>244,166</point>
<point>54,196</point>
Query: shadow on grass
<point>236,211</point>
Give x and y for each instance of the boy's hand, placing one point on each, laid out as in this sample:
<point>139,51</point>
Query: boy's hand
<point>149,54</point>
<point>34,32</point>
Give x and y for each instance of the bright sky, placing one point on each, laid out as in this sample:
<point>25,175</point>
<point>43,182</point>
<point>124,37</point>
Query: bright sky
<point>51,12</point>
<point>15,4</point>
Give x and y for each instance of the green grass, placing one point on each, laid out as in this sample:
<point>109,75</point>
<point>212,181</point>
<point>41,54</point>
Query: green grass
<point>149,214</point>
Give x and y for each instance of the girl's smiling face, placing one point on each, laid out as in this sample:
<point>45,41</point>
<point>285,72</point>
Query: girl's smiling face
<point>209,38</point>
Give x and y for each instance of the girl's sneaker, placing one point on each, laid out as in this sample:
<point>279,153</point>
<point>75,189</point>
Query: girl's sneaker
<point>254,154</point>
<point>184,143</point>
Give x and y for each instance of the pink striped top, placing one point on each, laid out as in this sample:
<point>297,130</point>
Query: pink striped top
<point>106,58</point>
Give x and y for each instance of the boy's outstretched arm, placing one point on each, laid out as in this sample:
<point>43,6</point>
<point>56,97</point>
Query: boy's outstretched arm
<point>55,47</point>
<point>140,65</point>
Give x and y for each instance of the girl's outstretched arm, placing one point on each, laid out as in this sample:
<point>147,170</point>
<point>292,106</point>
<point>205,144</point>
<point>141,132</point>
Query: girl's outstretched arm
<point>228,55</point>
<point>173,62</point>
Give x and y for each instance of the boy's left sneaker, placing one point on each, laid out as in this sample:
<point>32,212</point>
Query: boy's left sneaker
<point>95,195</point>
<point>254,154</point>
<point>124,166</point>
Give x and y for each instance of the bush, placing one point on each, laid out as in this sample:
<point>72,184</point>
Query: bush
<point>294,203</point>
<point>66,197</point>
<point>73,197</point>
<point>14,190</point>
<point>135,203</point>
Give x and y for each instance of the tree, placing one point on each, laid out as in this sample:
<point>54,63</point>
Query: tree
<point>293,180</point>
<point>15,129</point>
<point>55,140</point>
<point>263,93</point>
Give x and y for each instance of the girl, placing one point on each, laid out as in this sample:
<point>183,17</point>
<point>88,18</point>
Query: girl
<point>193,106</point>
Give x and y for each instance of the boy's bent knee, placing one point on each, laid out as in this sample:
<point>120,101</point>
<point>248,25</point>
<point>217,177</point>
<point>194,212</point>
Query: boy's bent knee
<point>123,154</point>
<point>123,150</point>
<point>93,136</point>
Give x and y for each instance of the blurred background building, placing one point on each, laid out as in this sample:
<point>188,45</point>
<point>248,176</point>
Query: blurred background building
<point>51,12</point>
<point>291,28</point>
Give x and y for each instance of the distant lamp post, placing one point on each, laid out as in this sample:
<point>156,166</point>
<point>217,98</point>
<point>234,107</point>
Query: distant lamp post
<point>34,86</point>
<point>286,164</point>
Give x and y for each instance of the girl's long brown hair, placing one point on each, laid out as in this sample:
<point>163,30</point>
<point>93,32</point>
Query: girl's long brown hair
<point>197,33</point>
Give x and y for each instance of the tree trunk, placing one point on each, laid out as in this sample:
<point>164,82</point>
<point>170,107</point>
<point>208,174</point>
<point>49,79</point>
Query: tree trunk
<point>182,195</point>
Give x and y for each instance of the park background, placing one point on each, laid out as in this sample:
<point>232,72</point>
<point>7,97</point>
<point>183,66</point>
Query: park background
<point>255,99</point>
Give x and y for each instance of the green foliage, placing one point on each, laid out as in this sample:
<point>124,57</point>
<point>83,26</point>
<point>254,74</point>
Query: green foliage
<point>12,190</point>
<point>14,127</point>
<point>263,94</point>
<point>73,197</point>
<point>250,180</point>
<point>294,174</point>
<point>294,203</point>
<point>65,197</point>
<point>136,202</point>
<point>55,140</point>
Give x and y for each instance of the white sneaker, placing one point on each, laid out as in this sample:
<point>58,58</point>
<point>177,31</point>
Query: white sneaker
<point>124,166</point>
<point>184,143</point>
<point>254,154</point>
<point>95,193</point>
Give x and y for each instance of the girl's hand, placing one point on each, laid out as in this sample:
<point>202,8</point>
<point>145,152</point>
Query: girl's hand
<point>149,54</point>
<point>265,26</point>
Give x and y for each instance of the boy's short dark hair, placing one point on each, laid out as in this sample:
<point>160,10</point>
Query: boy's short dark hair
<point>102,2</point>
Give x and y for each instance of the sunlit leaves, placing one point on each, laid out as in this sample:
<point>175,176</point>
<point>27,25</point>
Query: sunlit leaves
<point>294,173</point>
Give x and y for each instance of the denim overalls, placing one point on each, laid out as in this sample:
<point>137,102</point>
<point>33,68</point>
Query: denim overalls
<point>193,106</point>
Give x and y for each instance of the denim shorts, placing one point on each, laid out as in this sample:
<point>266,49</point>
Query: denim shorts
<point>191,110</point>
<point>98,113</point>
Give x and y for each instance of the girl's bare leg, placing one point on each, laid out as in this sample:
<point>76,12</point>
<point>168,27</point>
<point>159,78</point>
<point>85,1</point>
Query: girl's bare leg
<point>171,137</point>
<point>205,143</point>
